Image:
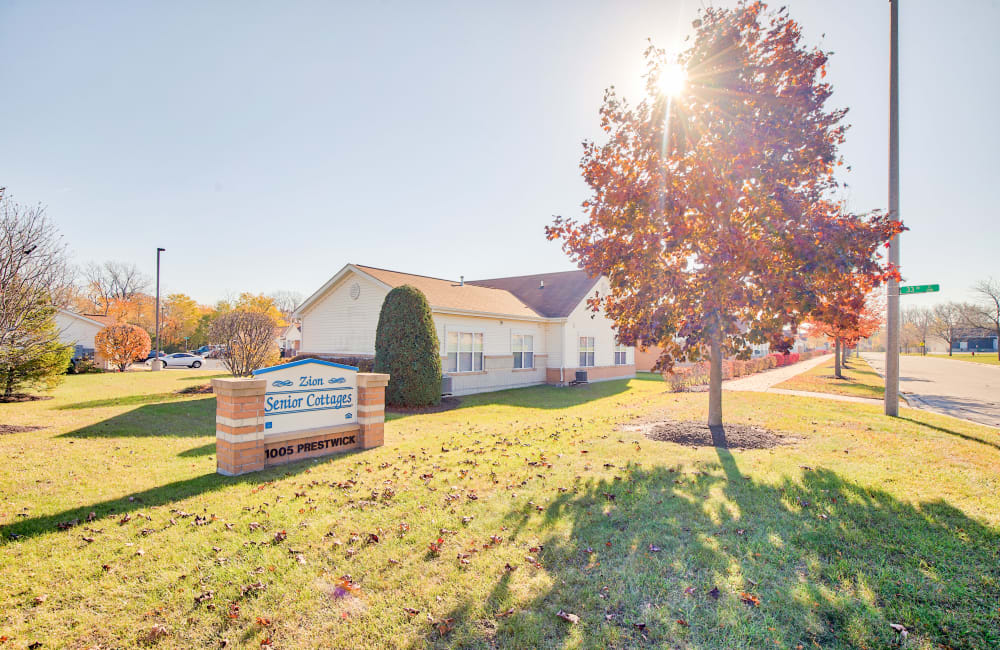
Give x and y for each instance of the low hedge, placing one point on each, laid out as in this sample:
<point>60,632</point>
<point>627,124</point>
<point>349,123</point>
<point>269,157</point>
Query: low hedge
<point>363,364</point>
<point>697,374</point>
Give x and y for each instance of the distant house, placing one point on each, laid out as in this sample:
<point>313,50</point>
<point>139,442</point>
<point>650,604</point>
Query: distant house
<point>79,331</point>
<point>289,340</point>
<point>494,334</point>
<point>974,339</point>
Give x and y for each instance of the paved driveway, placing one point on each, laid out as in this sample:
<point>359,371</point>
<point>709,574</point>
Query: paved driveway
<point>959,388</point>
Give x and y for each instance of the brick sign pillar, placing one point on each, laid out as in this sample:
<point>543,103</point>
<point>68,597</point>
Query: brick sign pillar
<point>242,441</point>
<point>371,408</point>
<point>239,425</point>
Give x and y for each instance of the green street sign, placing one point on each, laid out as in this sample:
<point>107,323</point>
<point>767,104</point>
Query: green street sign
<point>920,288</point>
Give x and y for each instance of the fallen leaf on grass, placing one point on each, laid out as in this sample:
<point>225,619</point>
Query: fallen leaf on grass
<point>156,632</point>
<point>689,591</point>
<point>653,548</point>
<point>566,616</point>
<point>280,536</point>
<point>682,622</point>
<point>411,611</point>
<point>900,629</point>
<point>749,599</point>
<point>714,593</point>
<point>509,612</point>
<point>208,595</point>
<point>263,622</point>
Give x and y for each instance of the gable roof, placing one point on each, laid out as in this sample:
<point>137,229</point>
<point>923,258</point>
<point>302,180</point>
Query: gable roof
<point>452,295</point>
<point>561,294</point>
<point>515,297</point>
<point>94,319</point>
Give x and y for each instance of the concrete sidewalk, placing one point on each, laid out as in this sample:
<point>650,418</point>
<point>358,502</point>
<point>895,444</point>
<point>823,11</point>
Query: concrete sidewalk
<point>764,382</point>
<point>760,382</point>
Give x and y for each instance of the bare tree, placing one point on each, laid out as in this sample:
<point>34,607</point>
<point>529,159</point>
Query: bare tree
<point>986,312</point>
<point>33,268</point>
<point>286,302</point>
<point>113,281</point>
<point>248,340</point>
<point>948,317</point>
<point>921,319</point>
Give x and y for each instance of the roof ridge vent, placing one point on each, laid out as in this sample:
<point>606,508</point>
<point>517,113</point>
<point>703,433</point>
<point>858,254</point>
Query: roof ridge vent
<point>461,280</point>
<point>541,284</point>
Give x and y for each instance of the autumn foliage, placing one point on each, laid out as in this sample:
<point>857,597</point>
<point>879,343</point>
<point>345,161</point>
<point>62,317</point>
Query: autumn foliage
<point>122,344</point>
<point>710,211</point>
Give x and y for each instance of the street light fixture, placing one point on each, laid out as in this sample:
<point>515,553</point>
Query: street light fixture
<point>157,364</point>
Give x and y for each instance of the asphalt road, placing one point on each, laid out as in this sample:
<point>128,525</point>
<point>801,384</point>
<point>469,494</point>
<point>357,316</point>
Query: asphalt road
<point>210,364</point>
<point>959,388</point>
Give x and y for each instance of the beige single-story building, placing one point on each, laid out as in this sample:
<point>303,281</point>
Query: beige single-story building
<point>79,331</point>
<point>494,334</point>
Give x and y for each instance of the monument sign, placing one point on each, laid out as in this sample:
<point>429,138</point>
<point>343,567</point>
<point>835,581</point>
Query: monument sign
<point>294,411</point>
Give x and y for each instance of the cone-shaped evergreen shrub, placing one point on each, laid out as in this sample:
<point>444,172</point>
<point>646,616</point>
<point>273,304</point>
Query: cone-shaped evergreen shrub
<point>406,347</point>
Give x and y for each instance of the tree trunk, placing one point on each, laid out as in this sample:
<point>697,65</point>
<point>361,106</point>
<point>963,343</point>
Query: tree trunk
<point>715,378</point>
<point>844,354</point>
<point>836,358</point>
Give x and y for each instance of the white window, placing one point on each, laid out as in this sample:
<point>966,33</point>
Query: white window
<point>621,355</point>
<point>586,351</point>
<point>465,352</point>
<point>524,352</point>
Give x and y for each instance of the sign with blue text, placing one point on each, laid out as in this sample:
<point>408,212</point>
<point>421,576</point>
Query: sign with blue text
<point>308,394</point>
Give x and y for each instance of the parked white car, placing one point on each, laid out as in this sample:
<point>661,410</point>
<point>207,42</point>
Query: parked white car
<point>183,359</point>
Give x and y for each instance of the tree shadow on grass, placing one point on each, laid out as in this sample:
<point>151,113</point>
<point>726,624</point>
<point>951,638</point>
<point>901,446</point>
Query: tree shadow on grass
<point>125,400</point>
<point>540,397</point>
<point>156,496</point>
<point>180,418</point>
<point>548,397</point>
<point>811,559</point>
<point>951,432</point>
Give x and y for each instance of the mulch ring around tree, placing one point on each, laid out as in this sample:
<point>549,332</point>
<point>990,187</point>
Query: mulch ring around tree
<point>446,404</point>
<point>699,434</point>
<point>15,428</point>
<point>23,397</point>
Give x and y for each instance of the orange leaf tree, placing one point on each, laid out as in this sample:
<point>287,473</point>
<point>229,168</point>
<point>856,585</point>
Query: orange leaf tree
<point>122,344</point>
<point>847,317</point>
<point>709,212</point>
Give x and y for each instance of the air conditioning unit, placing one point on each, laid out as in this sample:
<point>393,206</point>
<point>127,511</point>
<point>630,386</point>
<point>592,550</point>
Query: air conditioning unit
<point>581,377</point>
<point>445,385</point>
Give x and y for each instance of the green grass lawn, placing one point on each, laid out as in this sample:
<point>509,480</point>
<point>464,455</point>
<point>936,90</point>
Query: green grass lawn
<point>542,505</point>
<point>989,358</point>
<point>859,380</point>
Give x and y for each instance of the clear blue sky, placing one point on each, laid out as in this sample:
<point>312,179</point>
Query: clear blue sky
<point>264,145</point>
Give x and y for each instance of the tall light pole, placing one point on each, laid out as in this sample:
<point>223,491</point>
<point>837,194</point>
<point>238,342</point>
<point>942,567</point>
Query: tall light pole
<point>157,364</point>
<point>892,289</point>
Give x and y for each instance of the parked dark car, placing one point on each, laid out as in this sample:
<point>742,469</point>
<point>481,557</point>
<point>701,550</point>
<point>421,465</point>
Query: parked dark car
<point>153,354</point>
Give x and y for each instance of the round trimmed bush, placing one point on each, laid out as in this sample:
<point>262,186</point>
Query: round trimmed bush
<point>407,348</point>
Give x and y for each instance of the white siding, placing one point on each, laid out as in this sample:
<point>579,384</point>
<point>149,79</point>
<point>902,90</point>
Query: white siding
<point>584,322</point>
<point>498,361</point>
<point>339,324</point>
<point>553,343</point>
<point>76,331</point>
